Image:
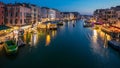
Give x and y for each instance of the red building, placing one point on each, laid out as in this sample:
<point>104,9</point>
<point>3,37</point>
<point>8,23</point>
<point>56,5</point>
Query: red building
<point>17,15</point>
<point>1,13</point>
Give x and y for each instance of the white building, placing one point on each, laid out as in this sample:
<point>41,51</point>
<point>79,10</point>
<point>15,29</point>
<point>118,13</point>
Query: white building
<point>44,14</point>
<point>35,15</point>
<point>51,14</point>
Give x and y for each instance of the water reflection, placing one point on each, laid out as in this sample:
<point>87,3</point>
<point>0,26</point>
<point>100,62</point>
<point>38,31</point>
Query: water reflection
<point>105,41</point>
<point>73,21</point>
<point>34,39</point>
<point>95,54</point>
<point>1,49</point>
<point>97,43</point>
<point>105,37</point>
<point>102,35</point>
<point>27,37</point>
<point>48,39</point>
<point>30,38</point>
<point>54,32</point>
<point>95,36</point>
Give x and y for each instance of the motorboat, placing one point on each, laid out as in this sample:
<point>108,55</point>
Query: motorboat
<point>60,23</point>
<point>20,43</point>
<point>114,44</point>
<point>10,46</point>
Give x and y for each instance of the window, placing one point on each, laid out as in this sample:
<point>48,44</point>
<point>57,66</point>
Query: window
<point>24,21</point>
<point>11,9</point>
<point>11,14</point>
<point>34,9</point>
<point>21,21</point>
<point>16,14</point>
<point>21,14</point>
<point>16,21</point>
<point>2,17</point>
<point>6,14</point>
<point>6,20</point>
<point>2,12</point>
<point>35,15</point>
<point>11,21</point>
<point>2,23</point>
<point>17,9</point>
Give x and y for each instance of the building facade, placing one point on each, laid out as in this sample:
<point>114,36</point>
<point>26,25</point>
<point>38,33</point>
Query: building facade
<point>17,14</point>
<point>44,14</point>
<point>51,15</point>
<point>35,15</point>
<point>58,15</point>
<point>109,16</point>
<point>2,12</point>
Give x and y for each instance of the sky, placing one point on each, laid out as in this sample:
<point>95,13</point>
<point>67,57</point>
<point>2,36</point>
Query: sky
<point>83,6</point>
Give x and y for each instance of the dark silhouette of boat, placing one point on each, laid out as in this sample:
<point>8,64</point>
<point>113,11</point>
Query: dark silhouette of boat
<point>87,24</point>
<point>114,44</point>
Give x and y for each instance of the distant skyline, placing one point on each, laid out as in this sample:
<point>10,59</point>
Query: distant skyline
<point>83,6</point>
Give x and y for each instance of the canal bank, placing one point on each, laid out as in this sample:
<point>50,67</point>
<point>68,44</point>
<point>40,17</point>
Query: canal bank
<point>66,47</point>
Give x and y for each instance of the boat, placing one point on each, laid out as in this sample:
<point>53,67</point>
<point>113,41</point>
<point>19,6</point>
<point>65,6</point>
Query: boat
<point>73,25</point>
<point>52,26</point>
<point>10,47</point>
<point>87,24</point>
<point>87,21</point>
<point>114,44</point>
<point>20,43</point>
<point>21,32</point>
<point>60,24</point>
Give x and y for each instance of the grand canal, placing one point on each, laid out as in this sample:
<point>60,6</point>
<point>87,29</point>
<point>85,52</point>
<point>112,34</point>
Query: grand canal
<point>67,47</point>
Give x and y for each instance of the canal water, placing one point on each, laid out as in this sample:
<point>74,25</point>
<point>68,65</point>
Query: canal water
<point>68,47</point>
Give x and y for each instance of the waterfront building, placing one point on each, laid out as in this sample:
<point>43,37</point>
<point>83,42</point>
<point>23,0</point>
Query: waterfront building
<point>118,15</point>
<point>39,15</point>
<point>2,11</point>
<point>100,16</point>
<point>51,14</point>
<point>76,15</point>
<point>70,15</point>
<point>44,14</point>
<point>17,14</point>
<point>58,15</point>
<point>35,13</point>
<point>110,16</point>
<point>66,15</point>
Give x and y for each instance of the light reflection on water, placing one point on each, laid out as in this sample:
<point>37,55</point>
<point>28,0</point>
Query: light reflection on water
<point>1,49</point>
<point>48,39</point>
<point>34,39</point>
<point>95,36</point>
<point>70,50</point>
<point>54,33</point>
<point>99,43</point>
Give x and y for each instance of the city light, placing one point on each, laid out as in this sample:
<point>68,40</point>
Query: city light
<point>59,33</point>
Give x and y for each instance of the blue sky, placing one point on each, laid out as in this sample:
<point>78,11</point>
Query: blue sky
<point>82,6</point>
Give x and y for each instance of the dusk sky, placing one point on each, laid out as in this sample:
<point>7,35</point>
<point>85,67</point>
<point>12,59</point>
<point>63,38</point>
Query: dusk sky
<point>82,6</point>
